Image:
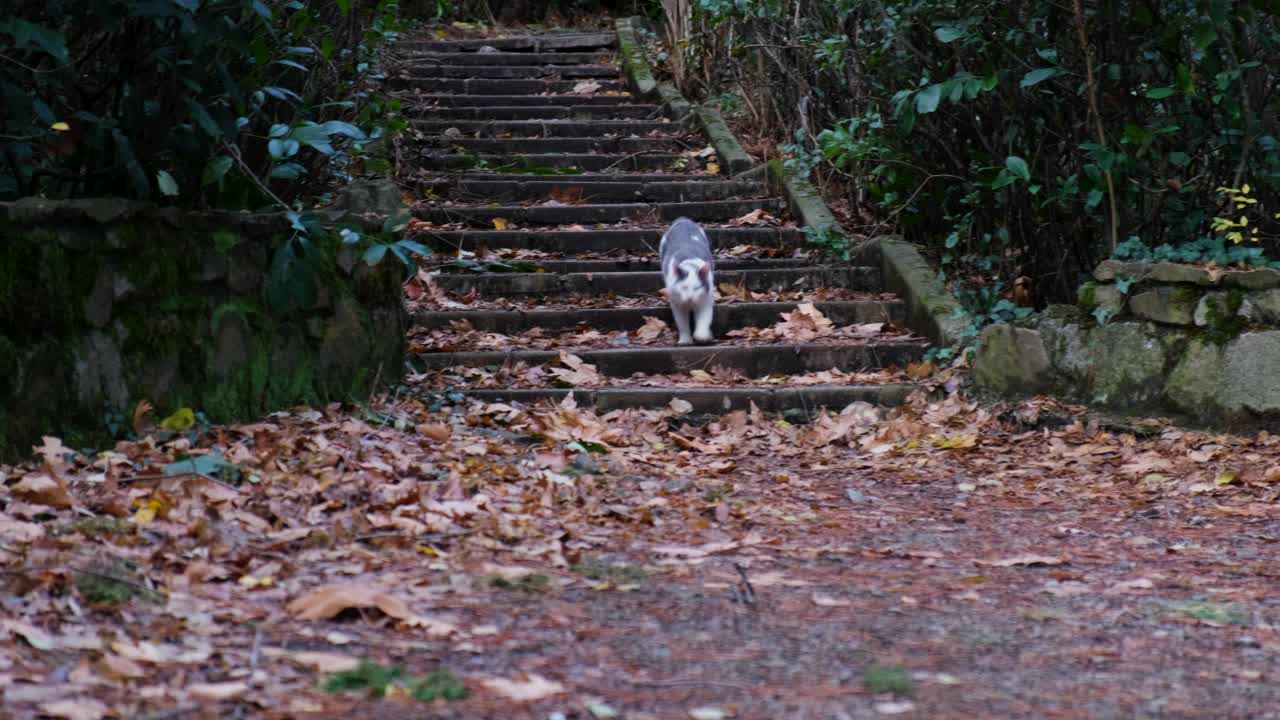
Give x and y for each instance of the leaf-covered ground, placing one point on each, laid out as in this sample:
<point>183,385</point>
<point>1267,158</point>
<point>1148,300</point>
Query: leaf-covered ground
<point>487,561</point>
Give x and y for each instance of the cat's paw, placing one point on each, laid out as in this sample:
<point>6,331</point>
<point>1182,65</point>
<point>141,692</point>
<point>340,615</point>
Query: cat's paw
<point>705,338</point>
<point>684,340</point>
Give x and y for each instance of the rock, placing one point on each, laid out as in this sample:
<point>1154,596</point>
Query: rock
<point>97,305</point>
<point>365,197</point>
<point>676,485</point>
<point>1092,296</point>
<point>344,346</point>
<point>98,370</point>
<point>1265,306</point>
<point>1168,272</point>
<point>1012,360</point>
<point>1109,270</point>
<point>1127,365</point>
<point>583,463</point>
<point>1165,304</point>
<point>1256,279</point>
<point>246,266</point>
<point>231,350</point>
<point>1236,382</point>
<point>1215,307</point>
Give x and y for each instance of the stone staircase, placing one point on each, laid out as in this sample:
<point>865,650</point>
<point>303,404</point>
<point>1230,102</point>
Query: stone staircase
<point>544,186</point>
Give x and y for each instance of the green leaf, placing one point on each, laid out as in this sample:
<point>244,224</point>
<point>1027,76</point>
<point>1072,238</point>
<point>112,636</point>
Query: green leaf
<point>30,36</point>
<point>203,119</point>
<point>1036,77</point>
<point>1018,167</point>
<point>1205,35</point>
<point>1095,197</point>
<point>261,8</point>
<point>949,34</point>
<point>1160,93</point>
<point>1179,159</point>
<point>168,186</point>
<point>414,246</point>
<point>928,98</point>
<point>374,254</point>
<point>141,186</point>
<point>344,6</point>
<point>215,170</point>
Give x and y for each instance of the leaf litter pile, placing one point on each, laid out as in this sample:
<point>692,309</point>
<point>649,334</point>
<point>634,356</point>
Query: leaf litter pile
<point>495,561</point>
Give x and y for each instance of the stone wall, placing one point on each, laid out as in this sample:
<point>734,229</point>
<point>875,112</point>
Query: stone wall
<point>1167,338</point>
<point>104,303</point>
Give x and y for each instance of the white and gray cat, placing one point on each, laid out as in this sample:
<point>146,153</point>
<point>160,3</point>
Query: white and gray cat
<point>687,266</point>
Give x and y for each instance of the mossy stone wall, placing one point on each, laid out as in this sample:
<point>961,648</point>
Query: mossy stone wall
<point>104,303</point>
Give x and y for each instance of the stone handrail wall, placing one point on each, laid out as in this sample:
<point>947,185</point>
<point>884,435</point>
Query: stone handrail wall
<point>1202,343</point>
<point>104,303</point>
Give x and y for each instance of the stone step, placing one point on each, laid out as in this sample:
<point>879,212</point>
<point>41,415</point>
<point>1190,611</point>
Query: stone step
<point>419,101</point>
<point>753,361</point>
<point>529,43</point>
<point>513,72</point>
<point>728,316</point>
<point>522,112</point>
<point>491,86</point>
<point>593,240</point>
<point>597,177</point>
<point>537,146</point>
<point>711,400</point>
<point>601,213</point>
<point>510,190</point>
<point>629,283</point>
<point>507,58</point>
<point>550,128</point>
<point>647,265</point>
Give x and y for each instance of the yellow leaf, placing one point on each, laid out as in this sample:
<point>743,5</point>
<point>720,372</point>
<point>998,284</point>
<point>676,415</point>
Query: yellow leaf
<point>713,168</point>
<point>183,419</point>
<point>147,512</point>
<point>959,442</point>
<point>249,581</point>
<point>501,223</point>
<point>1226,477</point>
<point>60,127</point>
<point>1245,189</point>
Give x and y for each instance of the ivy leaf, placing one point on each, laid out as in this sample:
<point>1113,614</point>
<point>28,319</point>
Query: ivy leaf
<point>928,98</point>
<point>374,254</point>
<point>414,246</point>
<point>1205,35</point>
<point>168,186</point>
<point>949,34</point>
<point>215,170</point>
<point>1018,167</point>
<point>1035,77</point>
<point>1160,93</point>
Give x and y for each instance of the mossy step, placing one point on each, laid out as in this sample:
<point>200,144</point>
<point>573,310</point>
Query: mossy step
<point>711,400</point>
<point>536,146</point>
<point>513,72</point>
<point>597,240</point>
<point>491,86</point>
<point>669,191</point>
<point>730,316</point>
<point>630,283</point>
<point>711,210</point>
<point>547,112</point>
<point>528,43</point>
<point>752,361</point>
<point>418,102</point>
<point>650,265</point>
<point>549,128</point>
<point>506,58</point>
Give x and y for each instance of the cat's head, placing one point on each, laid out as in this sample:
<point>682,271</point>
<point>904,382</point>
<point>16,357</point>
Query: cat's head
<point>689,281</point>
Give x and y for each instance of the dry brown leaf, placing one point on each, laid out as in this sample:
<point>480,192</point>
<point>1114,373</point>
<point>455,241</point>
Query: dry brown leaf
<point>75,709</point>
<point>577,372</point>
<point>585,87</point>
<point>218,691</point>
<point>803,324</point>
<point>328,601</point>
<point>525,689</point>
<point>43,490</point>
<point>439,432</point>
<point>652,329</point>
<point>1024,560</point>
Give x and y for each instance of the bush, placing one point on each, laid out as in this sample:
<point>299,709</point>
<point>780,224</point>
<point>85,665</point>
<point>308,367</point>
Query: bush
<point>229,103</point>
<point>1015,137</point>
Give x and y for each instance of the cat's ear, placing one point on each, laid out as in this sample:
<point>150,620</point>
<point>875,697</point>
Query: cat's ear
<point>704,273</point>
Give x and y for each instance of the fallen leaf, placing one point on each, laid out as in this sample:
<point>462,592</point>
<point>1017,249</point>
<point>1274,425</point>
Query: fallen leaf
<point>1026,560</point>
<point>585,87</point>
<point>680,406</point>
<point>43,490</point>
<point>218,691</point>
<point>439,432</point>
<point>531,687</point>
<point>501,223</point>
<point>713,168</point>
<point>75,709</point>
<point>652,329</point>
<point>327,601</point>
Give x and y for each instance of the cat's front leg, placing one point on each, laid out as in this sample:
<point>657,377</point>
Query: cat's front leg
<point>682,324</point>
<point>702,314</point>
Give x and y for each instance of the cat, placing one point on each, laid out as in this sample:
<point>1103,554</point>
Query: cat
<point>687,265</point>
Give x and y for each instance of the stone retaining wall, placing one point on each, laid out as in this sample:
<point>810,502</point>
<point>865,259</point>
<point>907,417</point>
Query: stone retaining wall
<point>104,303</point>
<point>1164,337</point>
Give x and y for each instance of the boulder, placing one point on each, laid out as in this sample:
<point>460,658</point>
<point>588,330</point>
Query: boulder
<point>1012,360</point>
